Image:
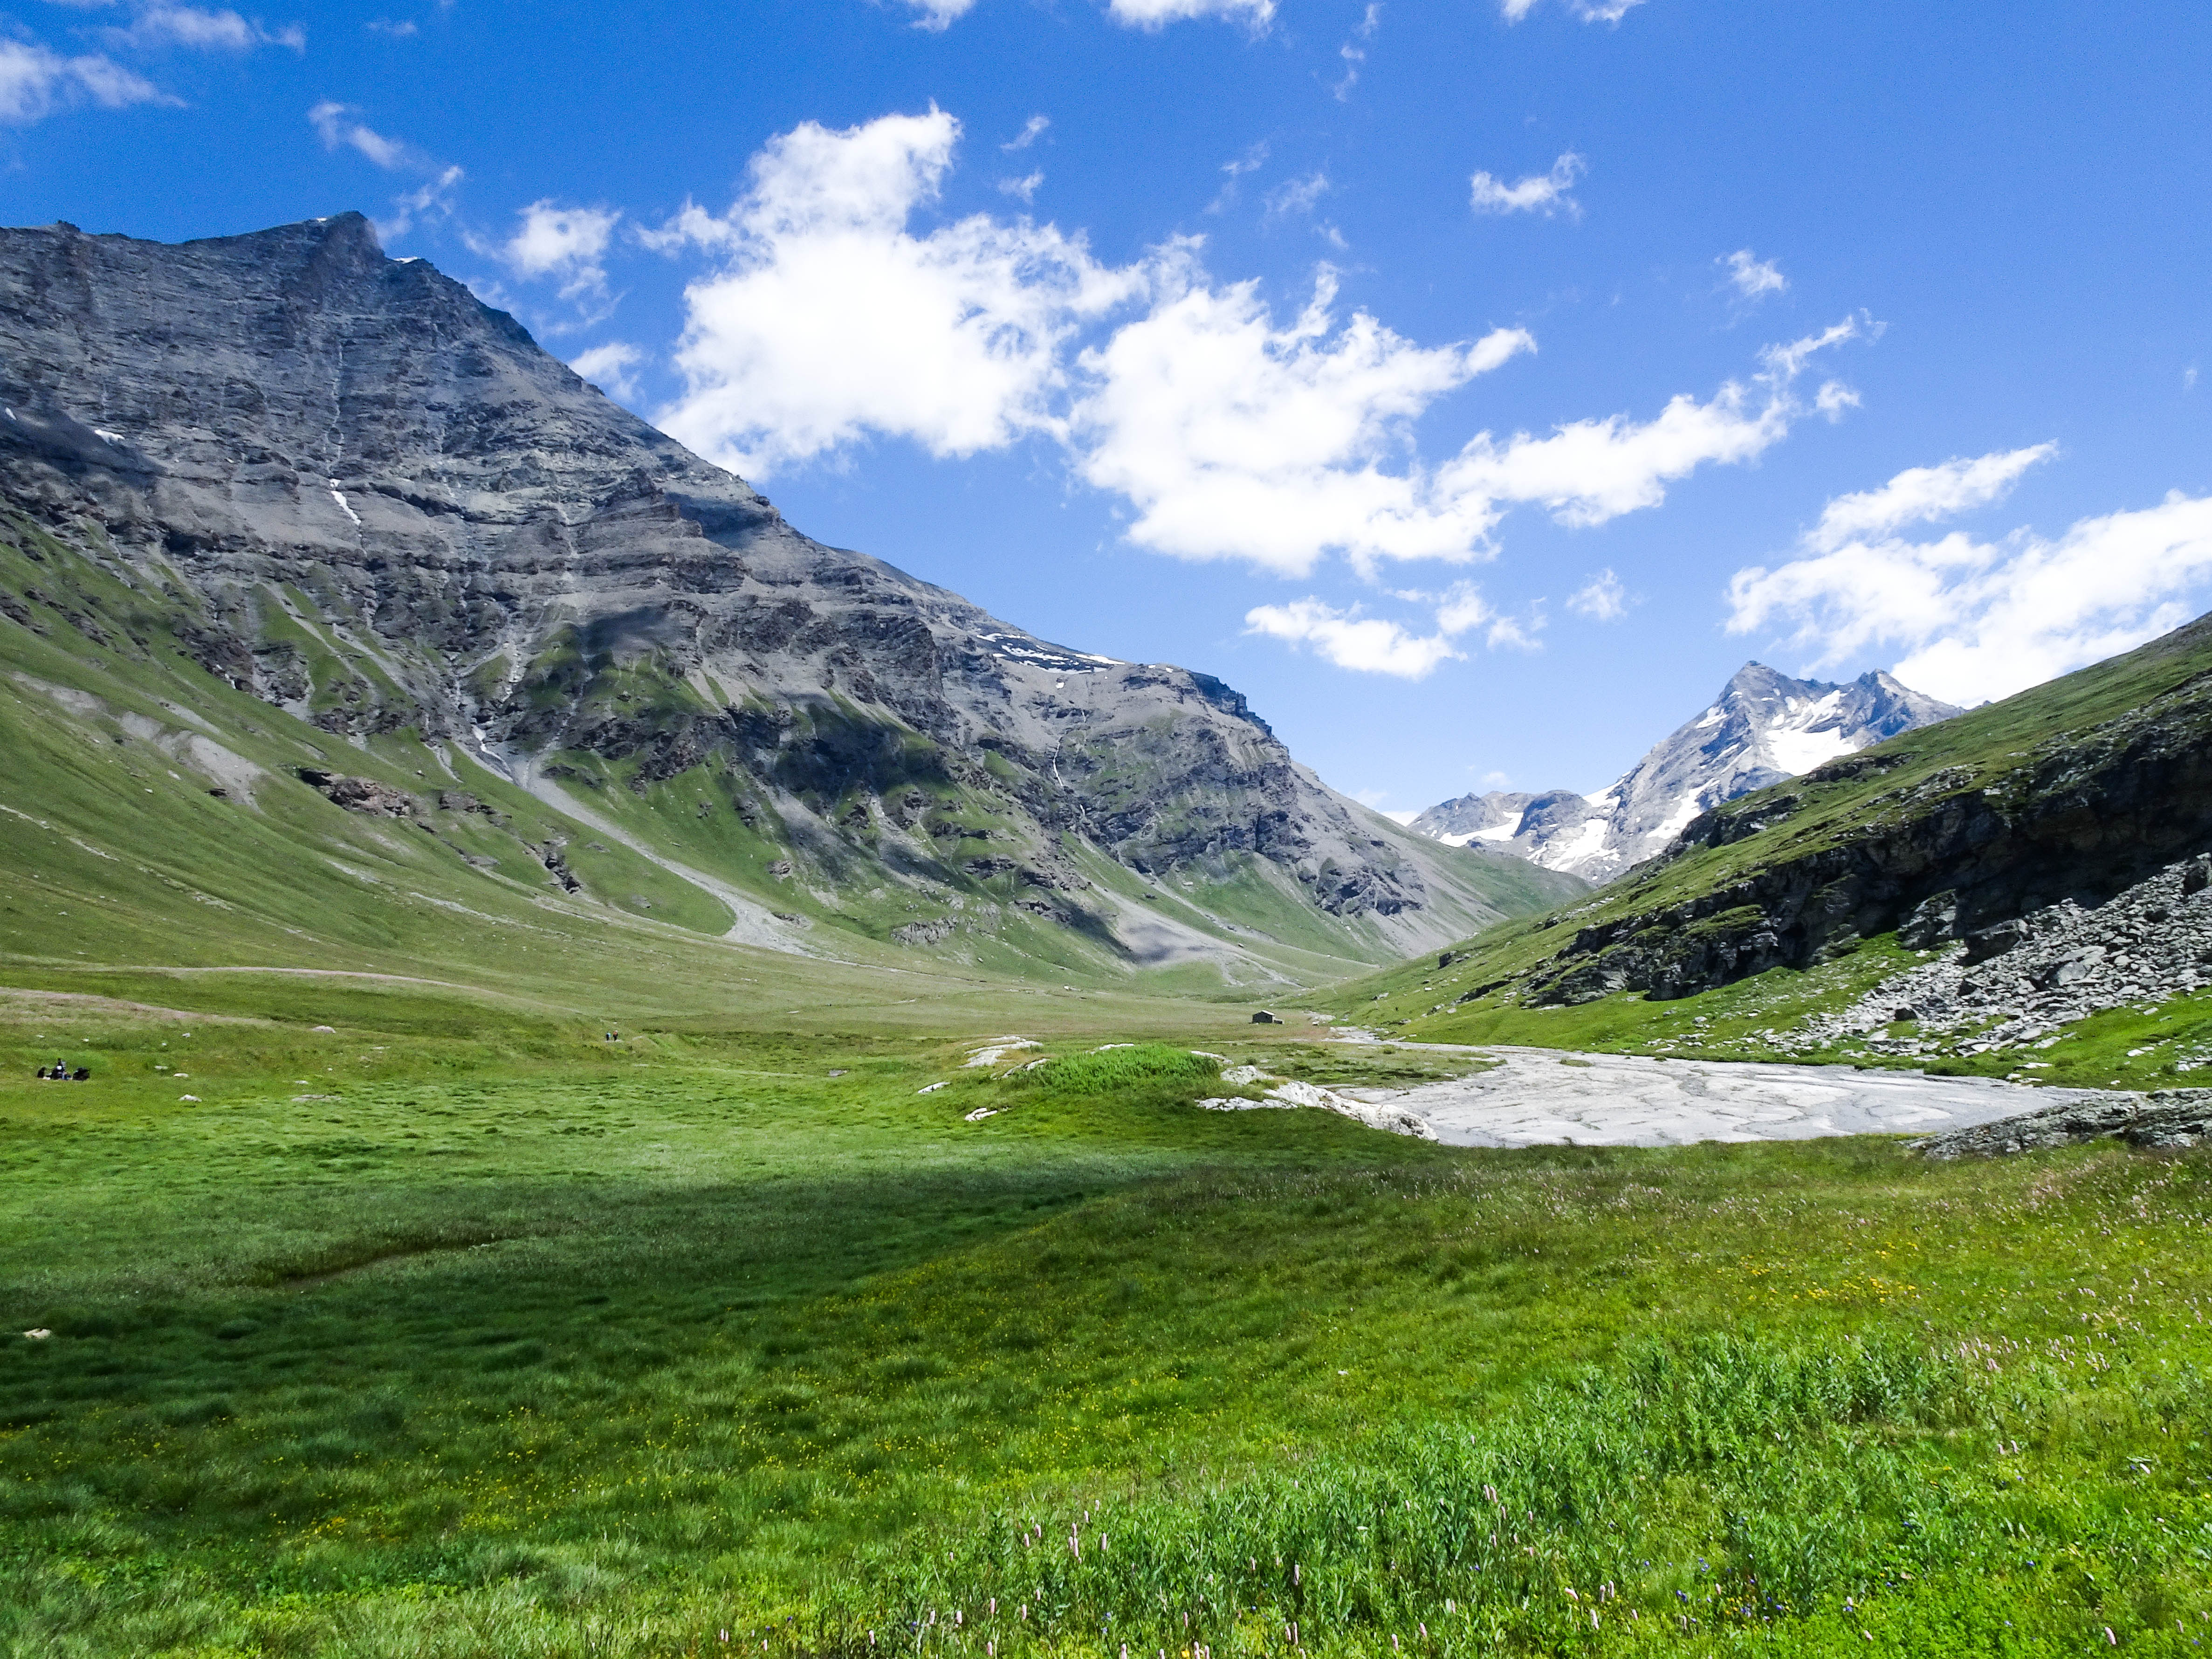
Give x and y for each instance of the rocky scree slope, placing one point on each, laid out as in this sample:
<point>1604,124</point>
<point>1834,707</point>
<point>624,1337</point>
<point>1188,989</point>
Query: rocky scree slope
<point>365,497</point>
<point>1763,728</point>
<point>1989,830</point>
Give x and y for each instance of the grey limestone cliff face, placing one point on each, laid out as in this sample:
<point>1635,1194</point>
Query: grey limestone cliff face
<point>1765,727</point>
<point>376,502</point>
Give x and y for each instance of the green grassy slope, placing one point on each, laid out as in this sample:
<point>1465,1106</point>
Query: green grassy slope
<point>2008,750</point>
<point>453,1331</point>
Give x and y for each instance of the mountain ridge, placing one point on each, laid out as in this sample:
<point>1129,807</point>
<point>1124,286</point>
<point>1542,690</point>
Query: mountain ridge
<point>1765,727</point>
<point>359,495</point>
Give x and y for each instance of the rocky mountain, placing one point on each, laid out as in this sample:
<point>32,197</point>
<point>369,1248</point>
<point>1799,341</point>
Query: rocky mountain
<point>1763,728</point>
<point>343,485</point>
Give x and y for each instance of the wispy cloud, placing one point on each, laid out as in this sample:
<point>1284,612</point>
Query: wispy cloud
<point>1233,172</point>
<point>1296,196</point>
<point>202,30</point>
<point>1601,599</point>
<point>1353,52</point>
<point>433,200</point>
<point>1032,129</point>
<point>1158,13</point>
<point>336,124</point>
<point>1589,11</point>
<point>938,15</point>
<point>1752,279</point>
<point>1024,189</point>
<point>339,126</point>
<point>36,82</point>
<point>1539,192</point>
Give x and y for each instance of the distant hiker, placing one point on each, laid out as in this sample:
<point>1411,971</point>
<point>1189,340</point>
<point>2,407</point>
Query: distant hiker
<point>42,1074</point>
<point>82,1074</point>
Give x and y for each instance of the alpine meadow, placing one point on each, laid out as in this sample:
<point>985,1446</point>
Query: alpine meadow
<point>1609,1070</point>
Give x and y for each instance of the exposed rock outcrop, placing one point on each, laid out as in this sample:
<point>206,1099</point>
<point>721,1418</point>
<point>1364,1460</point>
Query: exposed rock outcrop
<point>362,794</point>
<point>2168,1118</point>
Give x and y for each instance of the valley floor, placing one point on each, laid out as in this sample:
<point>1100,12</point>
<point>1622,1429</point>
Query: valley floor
<point>357,1323</point>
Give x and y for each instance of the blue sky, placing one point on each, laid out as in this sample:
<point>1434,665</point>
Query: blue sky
<point>1475,385</point>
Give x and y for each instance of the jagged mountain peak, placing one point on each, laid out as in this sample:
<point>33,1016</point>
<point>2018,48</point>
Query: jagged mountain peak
<point>1763,726</point>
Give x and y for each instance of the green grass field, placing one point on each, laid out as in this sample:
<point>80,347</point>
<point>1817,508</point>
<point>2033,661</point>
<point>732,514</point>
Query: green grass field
<point>458,1329</point>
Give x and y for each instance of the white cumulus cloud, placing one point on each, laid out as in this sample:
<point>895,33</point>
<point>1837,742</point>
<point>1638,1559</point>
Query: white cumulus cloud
<point>1235,439</point>
<point>565,244</point>
<point>829,319</point>
<point>1540,192</point>
<point>1977,619</point>
<point>1752,278</point>
<point>35,83</point>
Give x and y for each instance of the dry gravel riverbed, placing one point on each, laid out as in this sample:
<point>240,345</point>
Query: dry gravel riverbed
<point>1545,1097</point>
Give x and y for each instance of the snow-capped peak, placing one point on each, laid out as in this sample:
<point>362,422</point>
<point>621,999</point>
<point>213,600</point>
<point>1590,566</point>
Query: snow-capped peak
<point>1763,728</point>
